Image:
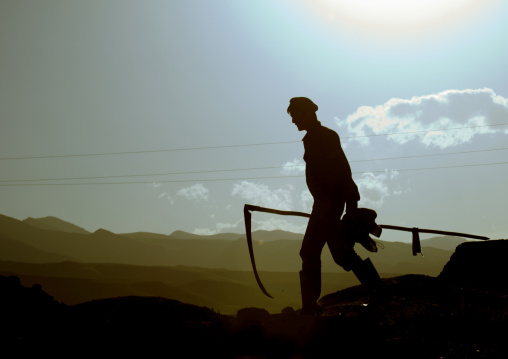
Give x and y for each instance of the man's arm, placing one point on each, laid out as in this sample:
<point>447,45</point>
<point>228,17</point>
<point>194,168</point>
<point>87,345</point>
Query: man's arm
<point>338,172</point>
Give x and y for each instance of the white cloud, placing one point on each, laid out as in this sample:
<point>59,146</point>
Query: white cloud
<point>437,112</point>
<point>374,188</point>
<point>262,195</point>
<point>197,192</point>
<point>307,200</point>
<point>204,231</point>
<point>168,197</point>
<point>294,167</point>
<point>277,223</point>
<point>219,228</point>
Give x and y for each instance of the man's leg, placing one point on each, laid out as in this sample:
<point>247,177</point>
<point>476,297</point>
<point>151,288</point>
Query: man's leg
<point>343,253</point>
<point>325,216</point>
<point>310,275</point>
<point>366,273</point>
<point>370,279</point>
<point>310,285</point>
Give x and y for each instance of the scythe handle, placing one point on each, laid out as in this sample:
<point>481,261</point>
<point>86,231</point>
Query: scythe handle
<point>250,207</point>
<point>435,231</point>
<point>415,231</point>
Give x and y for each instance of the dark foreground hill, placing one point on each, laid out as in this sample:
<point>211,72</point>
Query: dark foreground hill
<point>425,320</point>
<point>428,317</point>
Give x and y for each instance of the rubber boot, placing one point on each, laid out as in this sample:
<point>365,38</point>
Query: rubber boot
<point>369,277</point>
<point>310,284</point>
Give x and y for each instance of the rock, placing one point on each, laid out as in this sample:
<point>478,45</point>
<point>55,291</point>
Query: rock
<point>479,265</point>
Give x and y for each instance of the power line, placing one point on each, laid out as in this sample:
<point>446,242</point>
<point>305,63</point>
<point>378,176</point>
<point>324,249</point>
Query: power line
<point>423,131</point>
<point>233,146</point>
<point>242,178</point>
<point>437,168</point>
<point>432,155</point>
<point>146,151</point>
<point>145,175</point>
<point>240,169</point>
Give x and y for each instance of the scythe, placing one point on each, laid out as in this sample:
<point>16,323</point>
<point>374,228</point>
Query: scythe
<point>415,231</point>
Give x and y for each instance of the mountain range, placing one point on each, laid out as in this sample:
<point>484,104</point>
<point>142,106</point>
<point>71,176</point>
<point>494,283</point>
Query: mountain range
<point>50,239</point>
<point>75,265</point>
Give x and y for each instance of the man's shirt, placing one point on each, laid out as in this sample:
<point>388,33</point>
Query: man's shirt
<point>327,172</point>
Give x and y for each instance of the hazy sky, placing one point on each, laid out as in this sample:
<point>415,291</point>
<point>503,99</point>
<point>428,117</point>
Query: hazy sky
<point>116,76</point>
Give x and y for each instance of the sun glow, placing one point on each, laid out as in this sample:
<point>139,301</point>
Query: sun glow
<point>399,18</point>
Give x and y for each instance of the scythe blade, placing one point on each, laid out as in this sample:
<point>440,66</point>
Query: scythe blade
<point>247,217</point>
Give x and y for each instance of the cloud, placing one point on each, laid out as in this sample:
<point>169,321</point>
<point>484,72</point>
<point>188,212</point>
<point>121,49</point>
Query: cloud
<point>294,167</point>
<point>281,224</point>
<point>425,118</point>
<point>374,188</point>
<point>219,228</point>
<point>168,197</point>
<point>204,232</point>
<point>262,195</point>
<point>307,200</point>
<point>197,192</point>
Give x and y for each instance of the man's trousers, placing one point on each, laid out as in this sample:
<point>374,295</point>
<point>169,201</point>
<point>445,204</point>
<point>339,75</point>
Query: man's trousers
<point>324,227</point>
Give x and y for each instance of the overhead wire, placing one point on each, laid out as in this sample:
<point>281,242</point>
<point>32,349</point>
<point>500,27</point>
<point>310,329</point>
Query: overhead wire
<point>241,169</point>
<point>242,178</point>
<point>17,181</point>
<point>237,145</point>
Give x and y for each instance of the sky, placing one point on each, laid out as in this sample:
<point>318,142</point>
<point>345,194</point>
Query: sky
<point>160,116</point>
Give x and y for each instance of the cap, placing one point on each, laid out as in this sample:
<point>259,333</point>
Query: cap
<point>302,104</point>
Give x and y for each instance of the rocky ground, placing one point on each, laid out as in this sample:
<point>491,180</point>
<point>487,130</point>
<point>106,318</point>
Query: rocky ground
<point>426,317</point>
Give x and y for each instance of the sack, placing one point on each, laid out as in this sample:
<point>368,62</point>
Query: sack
<point>358,224</point>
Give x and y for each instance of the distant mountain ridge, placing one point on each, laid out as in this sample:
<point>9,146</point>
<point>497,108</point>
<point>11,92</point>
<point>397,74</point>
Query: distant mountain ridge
<point>262,234</point>
<point>274,250</point>
<point>54,224</point>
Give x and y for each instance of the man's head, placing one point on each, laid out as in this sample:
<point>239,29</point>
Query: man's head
<point>303,112</point>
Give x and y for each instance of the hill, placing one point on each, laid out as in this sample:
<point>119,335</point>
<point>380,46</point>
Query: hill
<point>54,224</point>
<point>443,242</point>
<point>274,250</point>
<point>186,235</point>
<point>224,290</point>
<point>426,317</point>
<point>21,252</point>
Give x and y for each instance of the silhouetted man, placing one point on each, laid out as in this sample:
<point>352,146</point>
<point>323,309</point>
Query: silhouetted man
<point>329,180</point>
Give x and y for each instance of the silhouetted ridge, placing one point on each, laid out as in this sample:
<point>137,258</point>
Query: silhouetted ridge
<point>427,318</point>
<point>15,295</point>
<point>25,312</point>
<point>32,320</point>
